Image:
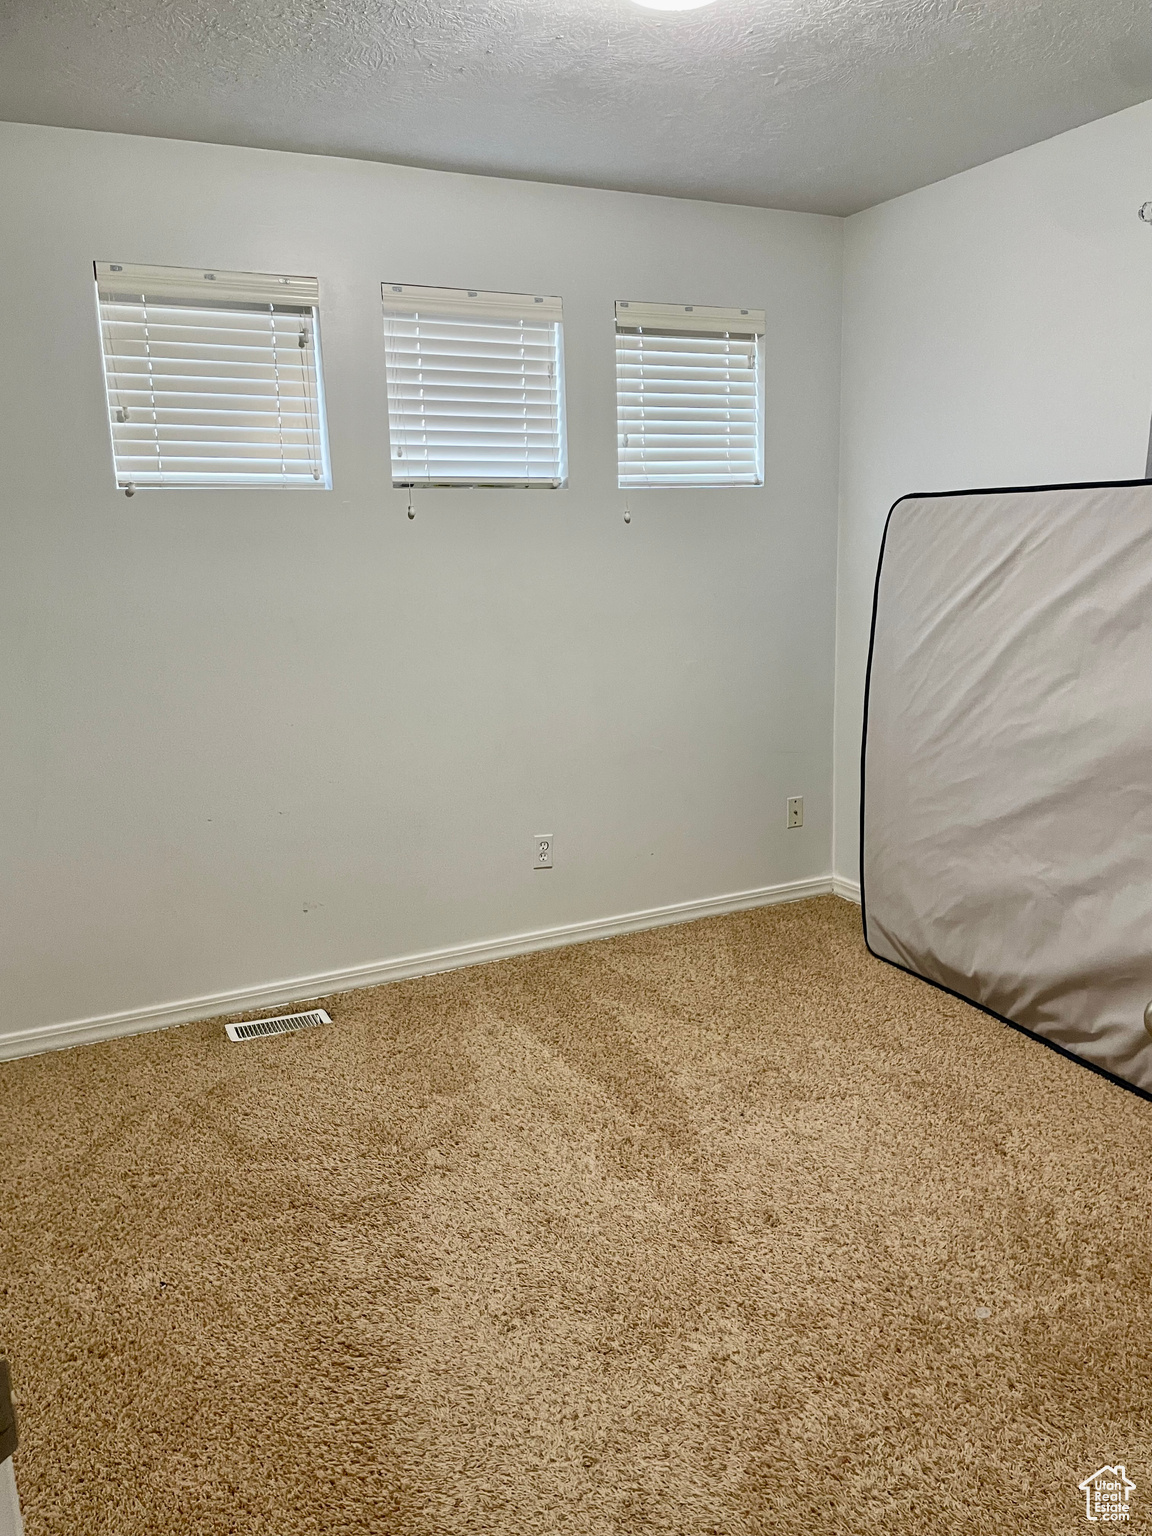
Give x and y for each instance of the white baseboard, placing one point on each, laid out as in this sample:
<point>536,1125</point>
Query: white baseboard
<point>849,890</point>
<point>10,1522</point>
<point>136,1021</point>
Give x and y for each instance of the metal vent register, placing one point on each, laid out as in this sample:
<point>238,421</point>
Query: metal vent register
<point>284,1024</point>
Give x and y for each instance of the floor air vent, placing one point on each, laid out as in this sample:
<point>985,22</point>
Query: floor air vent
<point>256,1029</point>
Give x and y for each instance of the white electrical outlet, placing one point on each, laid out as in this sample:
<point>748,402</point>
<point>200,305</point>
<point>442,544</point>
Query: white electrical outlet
<point>542,847</point>
<point>795,810</point>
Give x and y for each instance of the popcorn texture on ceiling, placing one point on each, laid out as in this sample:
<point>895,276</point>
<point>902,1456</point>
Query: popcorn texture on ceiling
<point>823,105</point>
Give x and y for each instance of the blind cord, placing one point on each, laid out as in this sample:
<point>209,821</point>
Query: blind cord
<point>276,379</point>
<point>121,409</point>
<point>152,388</point>
<point>306,375</point>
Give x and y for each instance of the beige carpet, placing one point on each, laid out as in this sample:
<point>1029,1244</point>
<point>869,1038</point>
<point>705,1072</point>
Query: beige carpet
<point>725,1229</point>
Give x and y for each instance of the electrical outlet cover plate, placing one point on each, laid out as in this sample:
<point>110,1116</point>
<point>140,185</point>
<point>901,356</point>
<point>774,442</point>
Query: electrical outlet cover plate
<point>795,810</point>
<point>542,850</point>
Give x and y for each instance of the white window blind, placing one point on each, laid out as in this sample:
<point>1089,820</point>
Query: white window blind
<point>213,378</point>
<point>688,406</point>
<point>475,387</point>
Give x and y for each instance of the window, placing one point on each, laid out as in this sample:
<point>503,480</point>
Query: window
<point>475,387</point>
<point>688,407</point>
<point>213,378</point>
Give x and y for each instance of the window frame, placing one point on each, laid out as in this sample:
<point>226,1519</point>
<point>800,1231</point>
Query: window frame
<point>742,325</point>
<point>224,292</point>
<point>403,302</point>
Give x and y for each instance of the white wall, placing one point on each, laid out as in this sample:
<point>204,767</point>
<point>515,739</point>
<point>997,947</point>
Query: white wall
<point>256,735</point>
<point>997,331</point>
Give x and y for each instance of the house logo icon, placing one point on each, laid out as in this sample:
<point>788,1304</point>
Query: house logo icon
<point>1106,1494</point>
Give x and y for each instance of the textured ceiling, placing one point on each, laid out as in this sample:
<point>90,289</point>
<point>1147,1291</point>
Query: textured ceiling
<point>828,105</point>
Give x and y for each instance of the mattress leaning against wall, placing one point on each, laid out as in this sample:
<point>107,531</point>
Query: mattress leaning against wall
<point>1006,771</point>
